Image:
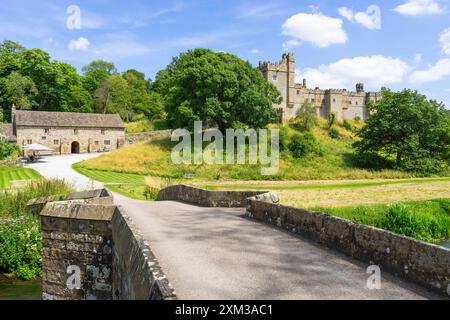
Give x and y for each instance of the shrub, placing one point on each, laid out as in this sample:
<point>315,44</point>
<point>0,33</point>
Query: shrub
<point>7,149</point>
<point>347,125</point>
<point>424,166</point>
<point>20,234</point>
<point>302,145</point>
<point>334,133</point>
<point>21,247</point>
<point>307,116</point>
<point>14,204</point>
<point>410,223</point>
<point>331,120</point>
<point>284,139</point>
<point>151,193</point>
<point>370,161</point>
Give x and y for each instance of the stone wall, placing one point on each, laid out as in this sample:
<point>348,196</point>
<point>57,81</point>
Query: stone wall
<point>136,271</point>
<point>132,138</point>
<point>207,198</point>
<point>87,234</point>
<point>417,261</point>
<point>61,139</point>
<point>77,251</point>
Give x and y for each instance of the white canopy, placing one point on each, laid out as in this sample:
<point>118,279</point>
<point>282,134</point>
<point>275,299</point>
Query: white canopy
<point>36,148</point>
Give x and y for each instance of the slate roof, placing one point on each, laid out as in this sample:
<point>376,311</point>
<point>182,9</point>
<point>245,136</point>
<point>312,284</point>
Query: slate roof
<point>67,119</point>
<point>6,130</point>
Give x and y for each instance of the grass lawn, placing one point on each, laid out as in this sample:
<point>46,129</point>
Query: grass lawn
<point>128,184</point>
<point>8,174</point>
<point>424,220</point>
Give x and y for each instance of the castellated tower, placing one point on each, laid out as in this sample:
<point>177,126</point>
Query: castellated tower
<point>344,104</point>
<point>282,75</point>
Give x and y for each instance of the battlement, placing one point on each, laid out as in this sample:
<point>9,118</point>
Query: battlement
<point>274,66</point>
<point>345,104</point>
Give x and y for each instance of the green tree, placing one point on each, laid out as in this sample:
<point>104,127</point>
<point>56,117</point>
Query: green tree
<point>144,101</point>
<point>20,90</point>
<point>408,129</point>
<point>114,96</point>
<point>101,65</point>
<point>307,115</point>
<point>217,88</point>
<point>9,57</point>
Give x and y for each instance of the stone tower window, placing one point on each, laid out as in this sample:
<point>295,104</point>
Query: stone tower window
<point>75,131</point>
<point>56,142</point>
<point>103,131</point>
<point>274,77</point>
<point>107,142</point>
<point>44,138</point>
<point>47,131</point>
<point>29,141</point>
<point>298,91</point>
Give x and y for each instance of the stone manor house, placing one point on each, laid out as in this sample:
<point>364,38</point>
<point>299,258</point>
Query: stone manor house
<point>345,104</point>
<point>66,132</point>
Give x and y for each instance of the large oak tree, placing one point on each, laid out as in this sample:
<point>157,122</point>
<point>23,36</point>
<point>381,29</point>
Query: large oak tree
<point>217,88</point>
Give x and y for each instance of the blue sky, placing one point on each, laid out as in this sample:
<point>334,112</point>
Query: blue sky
<point>337,43</point>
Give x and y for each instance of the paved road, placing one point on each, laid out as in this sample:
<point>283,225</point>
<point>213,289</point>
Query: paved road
<point>219,254</point>
<point>60,167</point>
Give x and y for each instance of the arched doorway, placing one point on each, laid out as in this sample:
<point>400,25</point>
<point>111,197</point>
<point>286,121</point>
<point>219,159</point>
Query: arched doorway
<point>75,147</point>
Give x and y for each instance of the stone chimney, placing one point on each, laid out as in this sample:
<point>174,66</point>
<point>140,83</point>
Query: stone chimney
<point>13,119</point>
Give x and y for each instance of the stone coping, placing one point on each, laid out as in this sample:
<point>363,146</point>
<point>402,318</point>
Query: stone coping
<point>214,198</point>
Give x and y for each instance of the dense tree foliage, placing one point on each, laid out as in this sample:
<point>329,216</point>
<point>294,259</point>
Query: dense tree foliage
<point>218,88</point>
<point>409,130</point>
<point>31,80</point>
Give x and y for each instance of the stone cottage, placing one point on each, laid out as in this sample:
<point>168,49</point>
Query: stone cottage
<point>67,132</point>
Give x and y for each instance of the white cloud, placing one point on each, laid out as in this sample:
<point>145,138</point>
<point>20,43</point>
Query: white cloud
<point>445,41</point>
<point>418,58</point>
<point>374,71</point>
<point>260,11</point>
<point>371,19</point>
<point>419,7</point>
<point>291,43</point>
<point>434,73</point>
<point>320,30</point>
<point>254,51</point>
<point>81,44</point>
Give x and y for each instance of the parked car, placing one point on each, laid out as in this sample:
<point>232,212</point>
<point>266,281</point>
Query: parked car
<point>104,149</point>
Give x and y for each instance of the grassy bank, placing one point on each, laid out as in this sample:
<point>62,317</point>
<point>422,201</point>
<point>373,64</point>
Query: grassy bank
<point>8,174</point>
<point>336,162</point>
<point>20,234</point>
<point>423,220</point>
